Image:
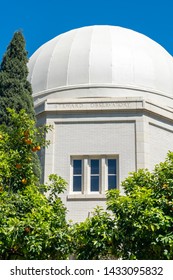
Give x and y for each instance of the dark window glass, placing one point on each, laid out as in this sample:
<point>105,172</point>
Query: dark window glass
<point>77,166</point>
<point>95,166</point>
<point>111,182</point>
<point>111,166</point>
<point>94,183</point>
<point>95,175</point>
<point>77,183</point>
<point>77,175</point>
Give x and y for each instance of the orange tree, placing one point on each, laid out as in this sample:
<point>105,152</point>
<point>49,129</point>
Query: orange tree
<point>144,217</point>
<point>18,142</point>
<point>93,237</point>
<point>32,224</point>
<point>139,224</point>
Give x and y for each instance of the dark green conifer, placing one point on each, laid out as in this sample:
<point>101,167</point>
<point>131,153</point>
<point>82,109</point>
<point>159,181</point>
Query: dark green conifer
<point>15,89</point>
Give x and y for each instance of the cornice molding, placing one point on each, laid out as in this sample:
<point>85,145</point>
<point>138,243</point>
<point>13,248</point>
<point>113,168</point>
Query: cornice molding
<point>103,105</point>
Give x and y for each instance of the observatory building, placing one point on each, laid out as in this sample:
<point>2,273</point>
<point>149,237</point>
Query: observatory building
<point>108,93</point>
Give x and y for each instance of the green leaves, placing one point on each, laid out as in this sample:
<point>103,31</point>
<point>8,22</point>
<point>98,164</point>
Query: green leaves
<point>93,237</point>
<point>32,223</point>
<point>138,225</point>
<point>145,216</point>
<point>15,59</point>
<point>15,90</point>
<point>32,227</point>
<point>18,144</point>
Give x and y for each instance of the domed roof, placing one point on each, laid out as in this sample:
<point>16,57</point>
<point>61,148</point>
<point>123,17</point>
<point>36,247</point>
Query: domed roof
<point>101,56</point>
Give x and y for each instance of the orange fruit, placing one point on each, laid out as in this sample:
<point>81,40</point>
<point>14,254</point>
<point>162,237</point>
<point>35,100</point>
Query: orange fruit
<point>28,141</point>
<point>24,181</point>
<point>18,165</point>
<point>34,149</point>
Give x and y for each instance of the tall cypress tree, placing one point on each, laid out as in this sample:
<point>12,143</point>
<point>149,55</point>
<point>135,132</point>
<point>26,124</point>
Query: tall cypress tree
<point>15,89</point>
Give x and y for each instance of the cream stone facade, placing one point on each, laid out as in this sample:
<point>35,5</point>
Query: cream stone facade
<point>108,93</point>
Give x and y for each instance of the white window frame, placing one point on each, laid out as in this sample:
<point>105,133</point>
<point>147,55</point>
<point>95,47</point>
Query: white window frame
<point>82,174</point>
<point>86,175</point>
<point>89,171</point>
<point>107,174</point>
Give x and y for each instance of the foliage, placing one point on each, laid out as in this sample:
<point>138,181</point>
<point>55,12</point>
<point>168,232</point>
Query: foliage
<point>141,223</point>
<point>144,217</point>
<point>15,90</point>
<point>18,142</point>
<point>93,237</point>
<point>32,224</point>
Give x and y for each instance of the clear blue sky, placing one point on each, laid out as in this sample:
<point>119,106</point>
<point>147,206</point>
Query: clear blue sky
<point>42,20</point>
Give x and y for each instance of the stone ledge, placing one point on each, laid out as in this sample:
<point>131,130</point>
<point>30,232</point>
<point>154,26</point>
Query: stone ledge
<point>86,197</point>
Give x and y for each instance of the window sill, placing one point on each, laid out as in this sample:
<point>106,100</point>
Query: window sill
<point>78,196</point>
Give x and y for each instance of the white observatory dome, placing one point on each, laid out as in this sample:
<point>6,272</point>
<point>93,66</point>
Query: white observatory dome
<point>100,57</point>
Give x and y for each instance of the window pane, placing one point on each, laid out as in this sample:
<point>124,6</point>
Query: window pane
<point>77,183</point>
<point>77,166</point>
<point>112,182</point>
<point>95,166</point>
<point>94,183</point>
<point>111,166</point>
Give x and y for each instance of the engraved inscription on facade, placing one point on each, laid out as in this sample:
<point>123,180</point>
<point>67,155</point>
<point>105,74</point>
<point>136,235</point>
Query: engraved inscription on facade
<point>92,106</point>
